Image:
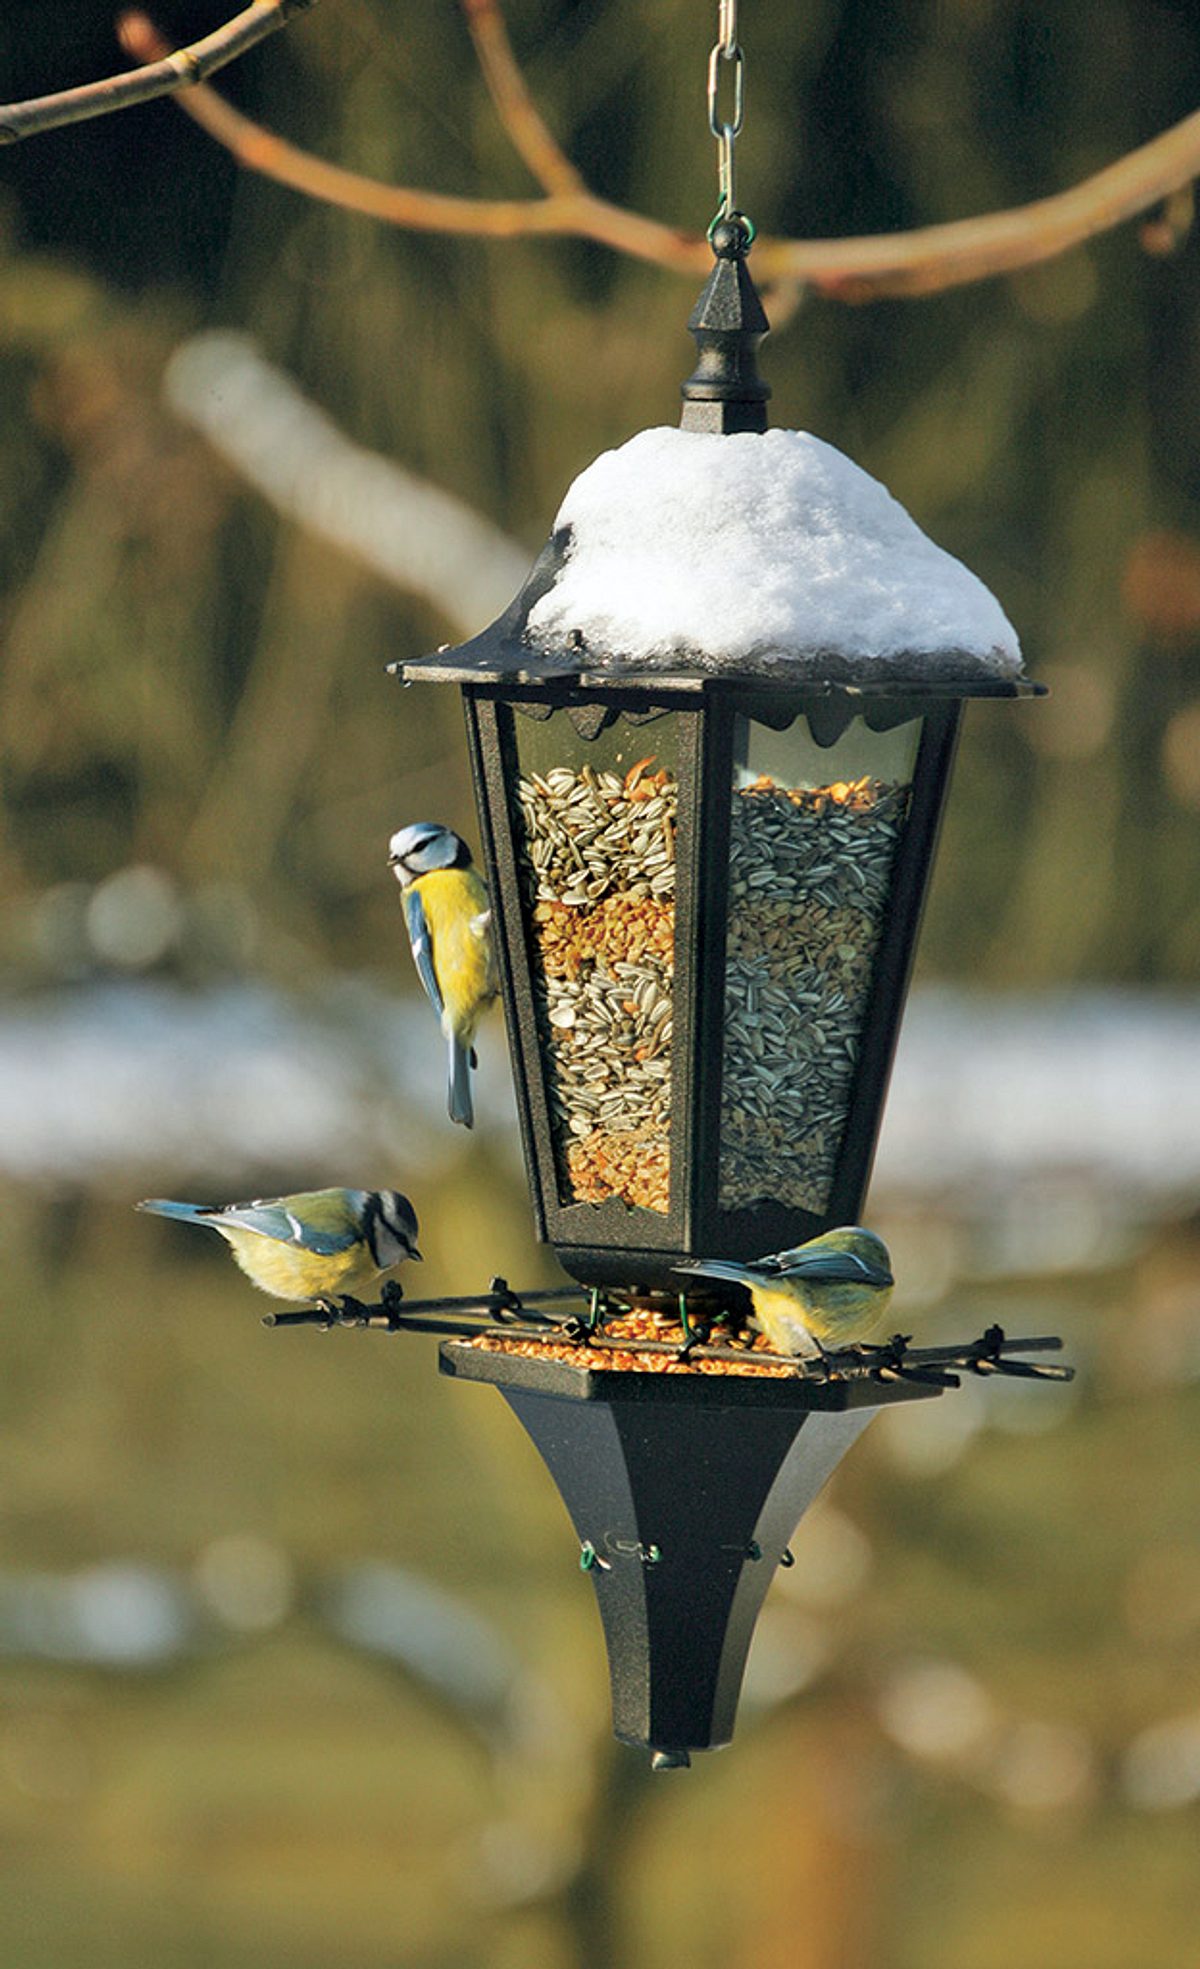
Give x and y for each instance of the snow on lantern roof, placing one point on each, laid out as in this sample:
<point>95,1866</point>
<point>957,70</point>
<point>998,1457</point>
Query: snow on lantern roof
<point>764,555</point>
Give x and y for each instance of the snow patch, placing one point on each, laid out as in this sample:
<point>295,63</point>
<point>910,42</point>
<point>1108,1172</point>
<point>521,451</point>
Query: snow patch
<point>767,552</point>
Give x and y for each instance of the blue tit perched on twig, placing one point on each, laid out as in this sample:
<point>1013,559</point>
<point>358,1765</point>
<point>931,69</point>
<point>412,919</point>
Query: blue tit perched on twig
<point>831,1292</point>
<point>318,1244</point>
<point>449,927</point>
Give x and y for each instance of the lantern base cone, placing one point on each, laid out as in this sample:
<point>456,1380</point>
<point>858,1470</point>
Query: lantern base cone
<point>684,1490</point>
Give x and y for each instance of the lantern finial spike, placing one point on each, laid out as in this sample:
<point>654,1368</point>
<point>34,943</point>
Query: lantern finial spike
<point>725,392</point>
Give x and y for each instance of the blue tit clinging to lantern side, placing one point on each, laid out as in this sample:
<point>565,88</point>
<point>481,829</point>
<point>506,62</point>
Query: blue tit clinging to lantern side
<point>318,1244</point>
<point>449,927</point>
<point>831,1292</point>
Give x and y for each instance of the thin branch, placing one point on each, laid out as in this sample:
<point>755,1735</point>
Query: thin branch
<point>925,261</point>
<point>164,75</point>
<point>519,114</point>
<point>580,214</point>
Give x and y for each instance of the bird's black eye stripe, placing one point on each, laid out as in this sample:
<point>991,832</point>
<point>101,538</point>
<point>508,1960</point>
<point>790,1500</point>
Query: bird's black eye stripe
<point>371,1218</point>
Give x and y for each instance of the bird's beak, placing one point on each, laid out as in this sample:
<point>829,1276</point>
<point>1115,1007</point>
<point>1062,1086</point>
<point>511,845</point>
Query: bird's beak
<point>394,861</point>
<point>879,1277</point>
<point>414,1253</point>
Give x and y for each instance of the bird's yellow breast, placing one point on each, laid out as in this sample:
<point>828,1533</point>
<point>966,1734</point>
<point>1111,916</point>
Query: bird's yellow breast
<point>289,1272</point>
<point>456,910</point>
<point>838,1315</point>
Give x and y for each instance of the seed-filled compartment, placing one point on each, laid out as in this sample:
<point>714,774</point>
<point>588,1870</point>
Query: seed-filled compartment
<point>596,853</point>
<point>813,840</point>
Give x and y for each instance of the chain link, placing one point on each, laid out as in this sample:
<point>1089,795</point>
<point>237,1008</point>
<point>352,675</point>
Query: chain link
<point>726,54</point>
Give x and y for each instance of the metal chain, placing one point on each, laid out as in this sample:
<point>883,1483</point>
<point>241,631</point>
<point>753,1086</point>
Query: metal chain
<point>727,54</point>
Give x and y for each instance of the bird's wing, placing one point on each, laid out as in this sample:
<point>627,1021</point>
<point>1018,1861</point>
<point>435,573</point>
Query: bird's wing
<point>275,1220</point>
<point>724,1268</point>
<point>827,1267</point>
<point>422,946</point>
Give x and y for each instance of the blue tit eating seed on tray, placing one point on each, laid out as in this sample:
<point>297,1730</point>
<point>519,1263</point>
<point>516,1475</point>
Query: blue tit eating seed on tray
<point>832,1292</point>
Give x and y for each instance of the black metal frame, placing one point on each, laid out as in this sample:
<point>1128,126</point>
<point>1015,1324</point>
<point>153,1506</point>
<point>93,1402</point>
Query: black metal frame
<point>614,1243</point>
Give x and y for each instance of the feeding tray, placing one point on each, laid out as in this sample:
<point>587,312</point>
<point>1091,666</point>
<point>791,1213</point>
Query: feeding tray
<point>542,1371</point>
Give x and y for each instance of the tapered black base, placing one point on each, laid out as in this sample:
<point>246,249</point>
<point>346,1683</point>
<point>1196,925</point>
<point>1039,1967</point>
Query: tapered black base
<point>684,1490</point>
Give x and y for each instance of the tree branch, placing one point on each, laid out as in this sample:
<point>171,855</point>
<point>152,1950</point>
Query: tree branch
<point>519,114</point>
<point>578,213</point>
<point>160,78</point>
<point>925,261</point>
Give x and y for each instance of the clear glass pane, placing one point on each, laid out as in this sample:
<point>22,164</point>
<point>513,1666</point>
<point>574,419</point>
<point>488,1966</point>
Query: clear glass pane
<point>813,839</point>
<point>595,833</point>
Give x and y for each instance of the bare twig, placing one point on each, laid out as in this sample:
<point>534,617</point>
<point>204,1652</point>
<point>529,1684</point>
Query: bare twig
<point>578,213</point>
<point>514,105</point>
<point>925,261</point>
<point>165,74</point>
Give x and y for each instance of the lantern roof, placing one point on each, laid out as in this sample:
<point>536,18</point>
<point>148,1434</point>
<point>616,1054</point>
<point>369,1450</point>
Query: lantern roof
<point>770,556</point>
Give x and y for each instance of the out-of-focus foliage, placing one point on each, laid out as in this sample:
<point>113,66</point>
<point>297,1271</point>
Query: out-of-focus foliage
<point>188,682</point>
<point>953,1759</point>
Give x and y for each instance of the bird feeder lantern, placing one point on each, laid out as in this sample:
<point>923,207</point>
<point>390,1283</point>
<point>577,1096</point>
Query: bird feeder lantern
<point>711,741</point>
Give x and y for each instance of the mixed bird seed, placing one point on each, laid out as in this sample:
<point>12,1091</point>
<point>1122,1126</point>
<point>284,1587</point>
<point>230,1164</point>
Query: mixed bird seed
<point>810,870</point>
<point>809,876</point>
<point>640,1323</point>
<point>598,863</point>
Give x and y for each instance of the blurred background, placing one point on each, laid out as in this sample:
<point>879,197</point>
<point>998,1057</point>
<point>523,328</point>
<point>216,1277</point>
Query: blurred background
<point>296,1663</point>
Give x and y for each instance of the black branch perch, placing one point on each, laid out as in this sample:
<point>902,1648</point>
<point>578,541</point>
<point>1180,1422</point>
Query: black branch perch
<point>505,1315</point>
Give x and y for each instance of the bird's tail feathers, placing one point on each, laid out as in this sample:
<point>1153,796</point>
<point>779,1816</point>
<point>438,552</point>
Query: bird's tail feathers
<point>164,1206</point>
<point>462,1108</point>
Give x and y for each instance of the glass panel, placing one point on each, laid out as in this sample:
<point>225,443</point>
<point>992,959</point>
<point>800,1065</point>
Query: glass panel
<point>813,839</point>
<point>595,839</point>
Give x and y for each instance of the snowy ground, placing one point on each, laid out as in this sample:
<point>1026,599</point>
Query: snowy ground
<point>997,1104</point>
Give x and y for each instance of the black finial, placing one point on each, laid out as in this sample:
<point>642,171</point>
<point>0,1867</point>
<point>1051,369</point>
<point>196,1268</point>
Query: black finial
<point>725,392</point>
